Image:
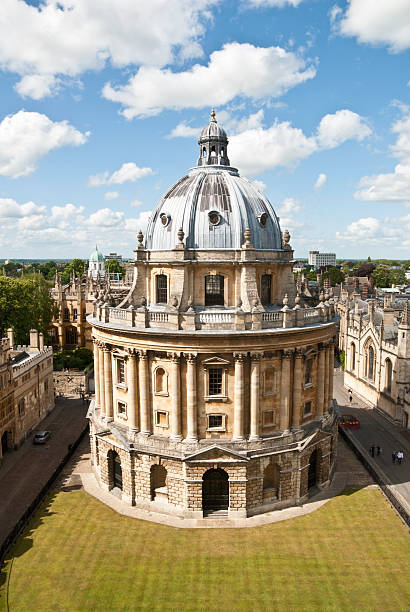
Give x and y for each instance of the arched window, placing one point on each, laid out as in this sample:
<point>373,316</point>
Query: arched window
<point>270,481</point>
<point>370,362</point>
<point>388,374</point>
<point>162,289</point>
<point>204,152</point>
<point>213,153</point>
<point>161,381</point>
<point>66,314</point>
<point>215,491</point>
<point>308,371</point>
<point>75,314</point>
<point>222,152</point>
<point>266,288</point>
<point>269,381</point>
<point>114,470</point>
<point>352,356</point>
<point>214,290</point>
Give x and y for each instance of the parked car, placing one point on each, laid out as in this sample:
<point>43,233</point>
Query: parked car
<point>41,437</point>
<point>350,421</point>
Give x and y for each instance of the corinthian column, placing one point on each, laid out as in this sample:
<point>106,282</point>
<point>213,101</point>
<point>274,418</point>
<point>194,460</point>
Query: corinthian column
<point>285,394</point>
<point>331,372</point>
<point>145,419</point>
<point>132,390</point>
<point>255,391</point>
<point>96,373</point>
<point>321,381</point>
<point>239,398</point>
<point>109,409</point>
<point>297,389</point>
<point>175,398</point>
<point>192,432</point>
<point>326,393</point>
<point>100,379</point>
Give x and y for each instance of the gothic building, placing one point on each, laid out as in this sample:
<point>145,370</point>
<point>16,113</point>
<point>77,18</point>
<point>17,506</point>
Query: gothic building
<point>376,343</point>
<point>213,378</point>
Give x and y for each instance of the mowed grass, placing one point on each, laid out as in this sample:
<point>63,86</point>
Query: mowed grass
<point>79,555</point>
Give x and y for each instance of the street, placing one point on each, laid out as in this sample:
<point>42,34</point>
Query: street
<point>25,471</point>
<point>377,430</point>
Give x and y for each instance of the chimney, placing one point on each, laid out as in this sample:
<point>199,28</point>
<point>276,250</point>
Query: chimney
<point>33,340</point>
<point>10,336</point>
<point>41,341</point>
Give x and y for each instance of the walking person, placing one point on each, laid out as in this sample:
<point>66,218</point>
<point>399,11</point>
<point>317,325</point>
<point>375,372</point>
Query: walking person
<point>378,450</point>
<point>399,457</point>
<point>393,457</point>
<point>372,448</point>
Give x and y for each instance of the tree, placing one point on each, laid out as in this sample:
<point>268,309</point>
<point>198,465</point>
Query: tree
<point>398,277</point>
<point>25,303</point>
<point>335,275</point>
<point>113,266</point>
<point>381,276</point>
<point>76,265</point>
<point>365,269</point>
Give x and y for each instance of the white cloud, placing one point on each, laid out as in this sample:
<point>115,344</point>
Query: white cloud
<point>183,130</point>
<point>27,137</point>
<point>260,149</point>
<point>260,185</point>
<point>375,22</point>
<point>136,203</point>
<point>10,209</point>
<point>321,181</point>
<point>270,3</point>
<point>66,229</point>
<point>288,213</point>
<point>394,231</point>
<point>69,37</point>
<point>37,86</point>
<point>391,186</point>
<point>265,72</point>
<point>129,171</point>
<point>343,125</point>
<point>111,195</point>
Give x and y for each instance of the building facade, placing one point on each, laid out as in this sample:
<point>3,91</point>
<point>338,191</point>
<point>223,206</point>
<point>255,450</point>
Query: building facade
<point>26,390</point>
<point>318,260</point>
<point>213,380</point>
<point>376,342</point>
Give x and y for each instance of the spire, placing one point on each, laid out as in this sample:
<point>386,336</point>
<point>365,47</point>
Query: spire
<point>405,317</point>
<point>213,144</point>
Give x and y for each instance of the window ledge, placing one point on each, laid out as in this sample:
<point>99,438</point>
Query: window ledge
<point>308,385</point>
<point>161,393</point>
<point>216,429</point>
<point>121,386</point>
<point>215,398</point>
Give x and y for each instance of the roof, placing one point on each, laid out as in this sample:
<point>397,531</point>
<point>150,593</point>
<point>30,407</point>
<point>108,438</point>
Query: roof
<point>96,255</point>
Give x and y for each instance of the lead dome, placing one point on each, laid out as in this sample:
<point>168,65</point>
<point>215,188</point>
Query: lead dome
<point>213,205</point>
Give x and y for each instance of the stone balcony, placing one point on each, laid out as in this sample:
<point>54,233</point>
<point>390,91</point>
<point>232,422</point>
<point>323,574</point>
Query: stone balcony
<point>158,317</point>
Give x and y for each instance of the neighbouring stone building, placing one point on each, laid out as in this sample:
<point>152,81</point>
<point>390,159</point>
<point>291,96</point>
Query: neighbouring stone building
<point>376,342</point>
<point>214,381</point>
<point>70,328</point>
<point>26,388</point>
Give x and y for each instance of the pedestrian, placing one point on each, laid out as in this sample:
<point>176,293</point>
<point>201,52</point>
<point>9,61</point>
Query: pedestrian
<point>350,399</point>
<point>378,450</point>
<point>400,457</point>
<point>393,457</point>
<point>372,450</point>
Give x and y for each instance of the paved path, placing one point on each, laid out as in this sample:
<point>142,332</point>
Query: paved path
<point>24,472</point>
<point>376,429</point>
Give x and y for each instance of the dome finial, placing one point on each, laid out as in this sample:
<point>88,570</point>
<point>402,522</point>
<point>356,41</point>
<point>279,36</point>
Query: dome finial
<point>213,115</point>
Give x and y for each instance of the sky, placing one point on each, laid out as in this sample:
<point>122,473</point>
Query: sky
<point>102,104</point>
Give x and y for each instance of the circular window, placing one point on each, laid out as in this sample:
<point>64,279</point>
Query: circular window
<point>165,219</point>
<point>214,217</point>
<point>263,217</point>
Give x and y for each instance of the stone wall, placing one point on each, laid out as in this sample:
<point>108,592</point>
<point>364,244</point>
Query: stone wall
<point>69,383</point>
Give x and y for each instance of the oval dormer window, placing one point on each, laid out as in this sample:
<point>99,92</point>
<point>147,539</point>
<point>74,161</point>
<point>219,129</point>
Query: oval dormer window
<point>165,219</point>
<point>263,217</point>
<point>214,217</point>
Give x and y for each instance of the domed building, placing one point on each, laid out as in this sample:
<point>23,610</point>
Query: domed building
<point>96,265</point>
<point>213,379</point>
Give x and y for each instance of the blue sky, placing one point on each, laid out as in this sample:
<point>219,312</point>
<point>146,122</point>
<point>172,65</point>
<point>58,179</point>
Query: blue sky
<point>102,103</point>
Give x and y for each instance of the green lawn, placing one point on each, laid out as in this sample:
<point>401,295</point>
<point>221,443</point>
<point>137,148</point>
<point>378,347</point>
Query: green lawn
<point>79,555</point>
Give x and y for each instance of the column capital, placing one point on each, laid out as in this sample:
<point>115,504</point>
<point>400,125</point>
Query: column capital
<point>130,352</point>
<point>287,353</point>
<point>239,357</point>
<point>143,355</point>
<point>174,357</point>
<point>299,353</point>
<point>107,348</point>
<point>256,356</point>
<point>190,357</point>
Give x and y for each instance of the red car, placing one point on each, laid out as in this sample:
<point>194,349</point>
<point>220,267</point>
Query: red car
<point>348,420</point>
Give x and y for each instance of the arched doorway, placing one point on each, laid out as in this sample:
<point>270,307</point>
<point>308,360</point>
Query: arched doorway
<point>215,491</point>
<point>312,473</point>
<point>159,483</point>
<point>115,471</point>
<point>270,482</point>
